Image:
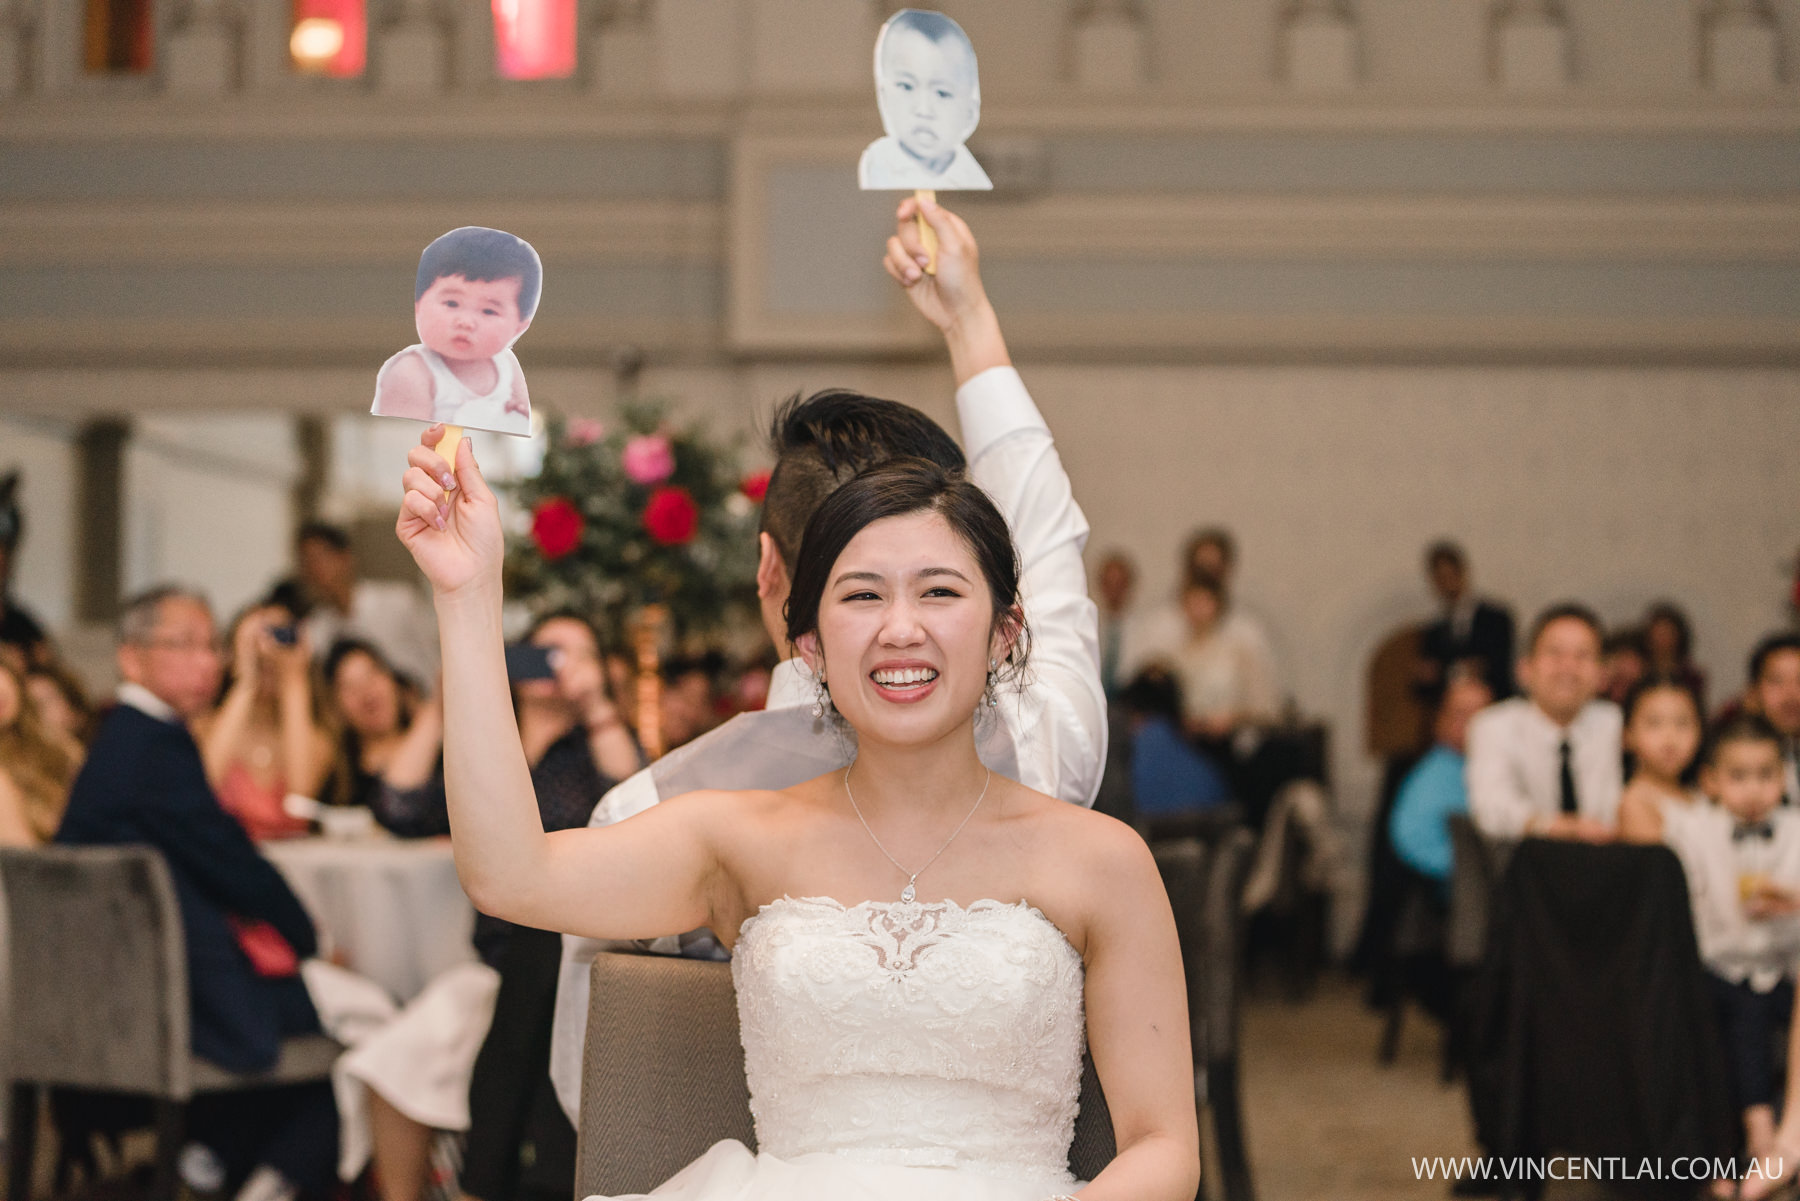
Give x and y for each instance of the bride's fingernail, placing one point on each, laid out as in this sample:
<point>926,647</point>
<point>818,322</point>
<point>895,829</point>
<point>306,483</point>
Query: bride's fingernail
<point>448,481</point>
<point>440,521</point>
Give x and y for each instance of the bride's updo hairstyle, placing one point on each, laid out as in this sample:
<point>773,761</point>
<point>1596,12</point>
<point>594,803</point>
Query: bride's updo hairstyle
<point>899,488</point>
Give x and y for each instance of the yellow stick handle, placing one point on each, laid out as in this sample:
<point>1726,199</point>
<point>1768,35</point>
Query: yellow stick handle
<point>446,446</point>
<point>927,234</point>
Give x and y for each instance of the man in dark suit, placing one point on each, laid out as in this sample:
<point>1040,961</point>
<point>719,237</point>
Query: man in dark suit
<point>1468,628</point>
<point>144,783</point>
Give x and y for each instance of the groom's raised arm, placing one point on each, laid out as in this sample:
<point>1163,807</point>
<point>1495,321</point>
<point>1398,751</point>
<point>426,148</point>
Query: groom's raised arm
<point>1059,724</point>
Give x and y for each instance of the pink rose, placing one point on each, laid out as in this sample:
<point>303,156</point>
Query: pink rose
<point>648,459</point>
<point>584,431</point>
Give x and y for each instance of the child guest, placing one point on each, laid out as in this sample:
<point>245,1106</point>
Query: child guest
<point>1662,736</point>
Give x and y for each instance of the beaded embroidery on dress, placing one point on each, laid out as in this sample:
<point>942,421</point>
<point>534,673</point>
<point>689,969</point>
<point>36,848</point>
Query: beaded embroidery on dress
<point>901,1052</point>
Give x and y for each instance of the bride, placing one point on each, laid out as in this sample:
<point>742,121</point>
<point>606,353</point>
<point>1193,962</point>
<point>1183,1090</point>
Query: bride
<point>920,947</point>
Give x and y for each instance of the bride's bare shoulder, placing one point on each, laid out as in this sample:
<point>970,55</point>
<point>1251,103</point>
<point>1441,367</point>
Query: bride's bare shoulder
<point>757,804</point>
<point>1092,839</point>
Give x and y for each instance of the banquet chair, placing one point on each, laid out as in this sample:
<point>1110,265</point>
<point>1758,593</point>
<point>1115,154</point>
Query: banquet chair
<point>100,998</point>
<point>663,1077</point>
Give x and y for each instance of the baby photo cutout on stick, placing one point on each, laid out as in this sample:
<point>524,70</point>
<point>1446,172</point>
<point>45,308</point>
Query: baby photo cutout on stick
<point>929,92</point>
<point>475,294</point>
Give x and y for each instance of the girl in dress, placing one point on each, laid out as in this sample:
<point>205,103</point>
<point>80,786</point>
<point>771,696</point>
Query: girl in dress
<point>1662,736</point>
<point>920,947</point>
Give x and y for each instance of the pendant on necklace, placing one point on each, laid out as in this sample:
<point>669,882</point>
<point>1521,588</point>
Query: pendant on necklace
<point>908,893</point>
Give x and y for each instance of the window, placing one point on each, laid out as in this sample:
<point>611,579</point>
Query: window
<point>534,39</point>
<point>331,37</point>
<point>117,37</point>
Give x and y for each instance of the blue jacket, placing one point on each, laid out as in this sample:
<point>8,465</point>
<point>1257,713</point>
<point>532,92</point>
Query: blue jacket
<point>1419,827</point>
<point>144,783</point>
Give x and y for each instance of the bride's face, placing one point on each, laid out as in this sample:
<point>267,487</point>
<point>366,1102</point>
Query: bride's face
<point>906,630</point>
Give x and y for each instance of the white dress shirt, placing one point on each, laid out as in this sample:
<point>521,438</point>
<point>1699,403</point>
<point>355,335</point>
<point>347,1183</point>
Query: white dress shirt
<point>1163,635</point>
<point>1515,765</point>
<point>1049,735</point>
<point>393,617</point>
<point>1757,952</point>
<point>146,702</point>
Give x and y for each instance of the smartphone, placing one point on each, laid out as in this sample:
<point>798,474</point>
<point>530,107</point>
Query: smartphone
<point>284,635</point>
<point>527,662</point>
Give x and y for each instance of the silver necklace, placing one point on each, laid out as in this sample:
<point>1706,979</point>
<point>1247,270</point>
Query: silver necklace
<point>910,891</point>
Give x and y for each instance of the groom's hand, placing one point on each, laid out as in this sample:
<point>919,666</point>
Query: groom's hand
<point>953,299</point>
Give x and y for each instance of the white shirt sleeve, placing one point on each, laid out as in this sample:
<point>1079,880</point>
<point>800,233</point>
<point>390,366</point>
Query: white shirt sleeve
<point>568,1030</point>
<point>1498,803</point>
<point>1059,728</point>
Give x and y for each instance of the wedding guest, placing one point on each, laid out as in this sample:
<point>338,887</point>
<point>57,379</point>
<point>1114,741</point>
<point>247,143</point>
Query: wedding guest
<point>1669,647</point>
<point>1663,727</point>
<point>1227,679</point>
<point>1742,858</point>
<point>62,704</point>
<point>390,615</point>
<point>1548,763</point>
<point>19,629</point>
<point>36,767</point>
<point>1467,626</point>
<point>1210,552</point>
<point>1169,777</point>
<point>689,706</point>
<point>418,1068</point>
<point>1435,790</point>
<point>243,929</point>
<point>1774,692</point>
<point>388,736</point>
<point>267,737</point>
<point>1051,734</point>
<point>1116,583</point>
<point>1625,661</point>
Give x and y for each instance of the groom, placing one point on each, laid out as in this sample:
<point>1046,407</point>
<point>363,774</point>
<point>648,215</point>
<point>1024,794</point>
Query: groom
<point>1051,735</point>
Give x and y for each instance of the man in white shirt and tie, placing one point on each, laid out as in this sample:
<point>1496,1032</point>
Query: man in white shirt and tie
<point>1775,693</point>
<point>1050,734</point>
<point>1548,763</point>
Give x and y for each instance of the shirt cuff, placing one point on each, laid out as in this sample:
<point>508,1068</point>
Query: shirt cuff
<point>992,405</point>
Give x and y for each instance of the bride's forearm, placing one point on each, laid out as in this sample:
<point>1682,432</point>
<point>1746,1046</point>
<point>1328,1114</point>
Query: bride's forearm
<point>1156,1167</point>
<point>495,826</point>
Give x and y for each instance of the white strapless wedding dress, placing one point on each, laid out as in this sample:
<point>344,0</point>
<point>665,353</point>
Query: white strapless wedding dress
<point>901,1052</point>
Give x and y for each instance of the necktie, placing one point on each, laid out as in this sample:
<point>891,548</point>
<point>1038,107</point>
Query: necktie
<point>1569,804</point>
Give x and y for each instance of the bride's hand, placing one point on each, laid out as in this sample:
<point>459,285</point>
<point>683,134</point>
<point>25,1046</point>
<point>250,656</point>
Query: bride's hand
<point>450,523</point>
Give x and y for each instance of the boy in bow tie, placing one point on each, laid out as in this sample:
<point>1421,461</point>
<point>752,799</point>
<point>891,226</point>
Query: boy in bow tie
<point>1742,858</point>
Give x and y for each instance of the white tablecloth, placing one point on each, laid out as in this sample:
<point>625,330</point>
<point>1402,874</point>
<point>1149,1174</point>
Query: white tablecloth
<point>391,908</point>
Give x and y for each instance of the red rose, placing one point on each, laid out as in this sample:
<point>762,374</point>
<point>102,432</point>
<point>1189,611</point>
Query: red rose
<point>755,486</point>
<point>671,517</point>
<point>556,527</point>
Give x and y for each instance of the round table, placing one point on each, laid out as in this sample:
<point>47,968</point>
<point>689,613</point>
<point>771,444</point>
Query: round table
<point>389,909</point>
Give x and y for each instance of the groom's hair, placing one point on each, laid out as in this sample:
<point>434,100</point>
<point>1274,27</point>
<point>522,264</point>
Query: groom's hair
<point>823,440</point>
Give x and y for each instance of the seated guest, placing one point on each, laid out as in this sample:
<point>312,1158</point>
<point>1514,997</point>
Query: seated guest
<point>689,708</point>
<point>1669,647</point>
<point>1434,791</point>
<point>391,615</point>
<point>1210,552</point>
<point>1547,763</point>
<point>23,642</point>
<point>244,930</point>
<point>417,1069</point>
<point>1624,660</point>
<point>387,736</point>
<point>1169,778</point>
<point>1662,736</point>
<point>62,705</point>
<point>1227,680</point>
<point>1467,627</point>
<point>1774,692</point>
<point>36,767</point>
<point>1742,859</point>
<point>266,739</point>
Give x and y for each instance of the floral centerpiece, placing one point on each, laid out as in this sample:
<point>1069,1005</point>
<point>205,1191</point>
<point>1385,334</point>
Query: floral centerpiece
<point>644,514</point>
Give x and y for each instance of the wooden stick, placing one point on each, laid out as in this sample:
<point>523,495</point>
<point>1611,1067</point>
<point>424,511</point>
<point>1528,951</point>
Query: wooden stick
<point>927,234</point>
<point>446,446</point>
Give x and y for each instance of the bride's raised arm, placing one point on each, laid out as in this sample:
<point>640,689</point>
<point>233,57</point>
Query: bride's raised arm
<point>656,874</point>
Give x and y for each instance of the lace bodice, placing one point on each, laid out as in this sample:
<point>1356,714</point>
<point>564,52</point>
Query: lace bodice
<point>925,1035</point>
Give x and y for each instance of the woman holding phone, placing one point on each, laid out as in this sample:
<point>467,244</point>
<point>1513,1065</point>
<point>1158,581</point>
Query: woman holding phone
<point>418,1068</point>
<point>267,738</point>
